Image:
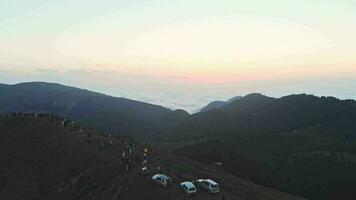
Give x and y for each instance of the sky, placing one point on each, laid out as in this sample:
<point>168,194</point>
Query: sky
<point>182,54</point>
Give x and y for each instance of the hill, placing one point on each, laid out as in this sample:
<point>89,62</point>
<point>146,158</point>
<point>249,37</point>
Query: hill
<point>118,115</point>
<point>256,113</point>
<point>41,159</point>
<point>218,104</point>
<point>279,142</point>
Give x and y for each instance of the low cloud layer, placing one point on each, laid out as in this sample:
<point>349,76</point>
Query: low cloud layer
<point>177,95</point>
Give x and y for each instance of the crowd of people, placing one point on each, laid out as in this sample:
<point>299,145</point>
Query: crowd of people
<point>72,125</point>
<point>130,156</point>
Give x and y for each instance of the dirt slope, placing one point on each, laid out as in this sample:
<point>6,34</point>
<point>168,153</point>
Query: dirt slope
<point>40,160</point>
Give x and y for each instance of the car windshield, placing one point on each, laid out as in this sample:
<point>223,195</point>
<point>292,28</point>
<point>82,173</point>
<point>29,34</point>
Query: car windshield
<point>191,189</point>
<point>214,186</point>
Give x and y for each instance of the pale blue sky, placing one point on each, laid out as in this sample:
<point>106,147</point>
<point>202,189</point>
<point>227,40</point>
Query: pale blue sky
<point>182,53</point>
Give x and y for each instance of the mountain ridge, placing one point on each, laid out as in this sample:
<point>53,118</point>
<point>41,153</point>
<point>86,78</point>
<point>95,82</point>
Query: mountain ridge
<point>267,140</point>
<point>279,142</point>
<point>99,110</point>
<point>218,104</point>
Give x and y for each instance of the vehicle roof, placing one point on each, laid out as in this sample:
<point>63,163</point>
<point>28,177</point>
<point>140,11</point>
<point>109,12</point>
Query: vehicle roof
<point>188,184</point>
<point>156,175</point>
<point>161,175</point>
<point>209,180</point>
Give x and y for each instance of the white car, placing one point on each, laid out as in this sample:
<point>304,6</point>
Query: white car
<point>209,185</point>
<point>188,188</point>
<point>162,179</point>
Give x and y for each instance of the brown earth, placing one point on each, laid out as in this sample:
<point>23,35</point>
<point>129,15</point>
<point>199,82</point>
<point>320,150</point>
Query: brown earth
<point>40,160</point>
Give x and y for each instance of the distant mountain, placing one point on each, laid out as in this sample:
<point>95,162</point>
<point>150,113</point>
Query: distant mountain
<point>286,143</point>
<point>262,114</point>
<point>218,104</point>
<point>279,142</point>
<point>119,115</point>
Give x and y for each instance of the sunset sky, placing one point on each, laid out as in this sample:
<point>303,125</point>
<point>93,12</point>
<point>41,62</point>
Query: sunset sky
<point>182,53</point>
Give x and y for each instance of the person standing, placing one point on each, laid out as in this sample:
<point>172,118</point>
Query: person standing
<point>123,157</point>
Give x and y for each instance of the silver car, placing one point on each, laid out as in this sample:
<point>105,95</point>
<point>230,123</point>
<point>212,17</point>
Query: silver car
<point>188,188</point>
<point>209,185</point>
<point>162,179</point>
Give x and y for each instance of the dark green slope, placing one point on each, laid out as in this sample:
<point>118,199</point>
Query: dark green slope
<point>299,143</point>
<point>102,111</point>
<point>257,113</point>
<point>218,104</point>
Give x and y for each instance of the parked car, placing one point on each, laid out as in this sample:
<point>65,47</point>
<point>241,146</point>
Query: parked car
<point>188,188</point>
<point>162,179</point>
<point>209,185</point>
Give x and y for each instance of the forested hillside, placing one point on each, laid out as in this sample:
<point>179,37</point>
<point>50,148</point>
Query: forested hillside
<point>300,143</point>
<point>119,115</point>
